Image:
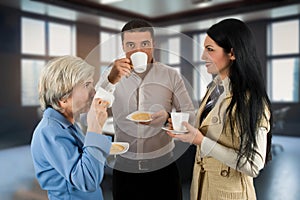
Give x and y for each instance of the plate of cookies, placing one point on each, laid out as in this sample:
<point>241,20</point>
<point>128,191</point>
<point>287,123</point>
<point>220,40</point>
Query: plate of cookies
<point>118,148</point>
<point>140,116</point>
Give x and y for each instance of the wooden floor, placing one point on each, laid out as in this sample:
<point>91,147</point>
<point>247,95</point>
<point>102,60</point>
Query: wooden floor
<point>279,180</point>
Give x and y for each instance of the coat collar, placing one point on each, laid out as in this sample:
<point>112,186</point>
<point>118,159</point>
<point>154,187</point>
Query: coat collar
<point>214,117</point>
<point>225,83</point>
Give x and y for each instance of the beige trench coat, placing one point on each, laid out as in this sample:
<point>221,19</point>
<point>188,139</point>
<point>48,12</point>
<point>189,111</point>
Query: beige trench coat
<point>213,180</point>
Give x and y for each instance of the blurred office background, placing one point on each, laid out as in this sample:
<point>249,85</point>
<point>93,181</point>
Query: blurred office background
<point>34,31</point>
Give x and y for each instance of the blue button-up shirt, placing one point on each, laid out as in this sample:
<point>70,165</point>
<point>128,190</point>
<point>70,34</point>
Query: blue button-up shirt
<point>68,164</point>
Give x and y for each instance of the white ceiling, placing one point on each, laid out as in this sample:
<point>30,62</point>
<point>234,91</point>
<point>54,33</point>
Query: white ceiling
<point>159,8</point>
<point>181,15</point>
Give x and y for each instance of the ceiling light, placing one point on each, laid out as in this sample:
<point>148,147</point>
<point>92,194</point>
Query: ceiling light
<point>109,1</point>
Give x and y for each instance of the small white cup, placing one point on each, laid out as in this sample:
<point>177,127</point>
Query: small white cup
<point>177,119</point>
<point>139,61</point>
<point>105,95</point>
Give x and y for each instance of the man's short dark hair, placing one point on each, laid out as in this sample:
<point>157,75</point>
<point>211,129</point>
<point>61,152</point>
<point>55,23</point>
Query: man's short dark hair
<point>137,25</point>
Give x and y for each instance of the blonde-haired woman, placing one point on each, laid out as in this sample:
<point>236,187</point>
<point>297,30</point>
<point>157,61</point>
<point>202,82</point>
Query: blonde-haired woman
<point>68,164</point>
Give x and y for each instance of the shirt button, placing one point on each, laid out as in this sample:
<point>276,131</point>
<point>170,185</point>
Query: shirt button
<point>214,120</point>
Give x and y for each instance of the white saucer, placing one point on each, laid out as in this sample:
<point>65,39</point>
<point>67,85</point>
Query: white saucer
<point>134,120</point>
<point>173,131</point>
<point>123,148</point>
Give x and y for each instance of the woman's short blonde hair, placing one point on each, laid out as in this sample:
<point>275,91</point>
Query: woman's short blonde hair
<point>59,77</point>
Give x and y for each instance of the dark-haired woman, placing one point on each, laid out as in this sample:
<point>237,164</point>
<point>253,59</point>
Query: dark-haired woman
<point>232,131</point>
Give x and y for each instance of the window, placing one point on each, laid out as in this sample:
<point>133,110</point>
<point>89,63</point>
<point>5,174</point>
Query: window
<point>30,68</point>
<point>110,49</point>
<point>41,40</point>
<point>200,76</point>
<point>169,50</point>
<point>284,37</point>
<point>60,40</point>
<point>173,50</point>
<point>285,80</point>
<point>283,61</point>
<point>198,46</point>
<point>33,36</point>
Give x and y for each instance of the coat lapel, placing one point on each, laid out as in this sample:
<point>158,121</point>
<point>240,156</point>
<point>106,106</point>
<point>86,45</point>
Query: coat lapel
<point>213,122</point>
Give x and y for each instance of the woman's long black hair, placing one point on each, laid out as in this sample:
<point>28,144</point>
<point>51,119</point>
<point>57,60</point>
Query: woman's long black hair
<point>249,100</point>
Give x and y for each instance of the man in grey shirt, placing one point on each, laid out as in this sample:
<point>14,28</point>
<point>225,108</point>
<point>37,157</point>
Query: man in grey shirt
<point>147,170</point>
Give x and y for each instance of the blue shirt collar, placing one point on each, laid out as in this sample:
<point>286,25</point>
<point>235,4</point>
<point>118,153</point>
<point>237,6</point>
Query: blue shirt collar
<point>57,116</point>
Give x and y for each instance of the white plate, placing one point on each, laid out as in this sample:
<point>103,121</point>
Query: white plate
<point>173,131</point>
<point>136,112</point>
<point>119,148</point>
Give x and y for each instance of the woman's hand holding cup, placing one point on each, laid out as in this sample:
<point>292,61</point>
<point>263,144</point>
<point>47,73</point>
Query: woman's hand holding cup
<point>97,115</point>
<point>193,136</point>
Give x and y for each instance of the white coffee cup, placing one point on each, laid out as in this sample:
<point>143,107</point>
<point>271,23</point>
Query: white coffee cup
<point>105,95</point>
<point>139,61</point>
<point>177,119</point>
